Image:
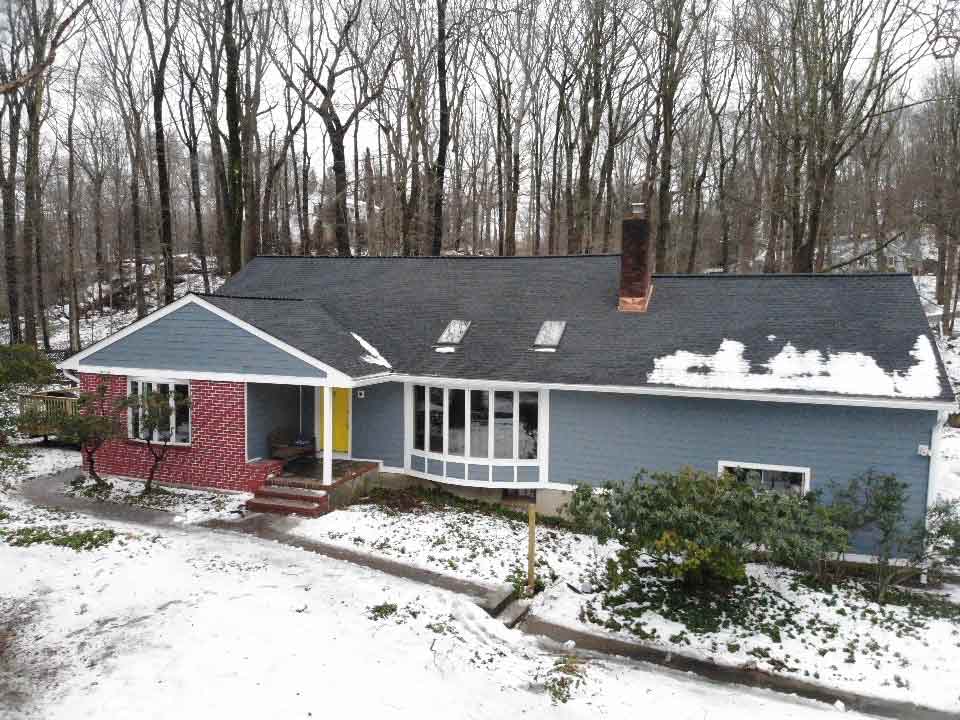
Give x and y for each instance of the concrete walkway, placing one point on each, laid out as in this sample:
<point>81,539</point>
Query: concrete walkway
<point>46,491</point>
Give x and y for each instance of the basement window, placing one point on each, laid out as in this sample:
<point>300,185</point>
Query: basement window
<point>549,335</point>
<point>784,479</point>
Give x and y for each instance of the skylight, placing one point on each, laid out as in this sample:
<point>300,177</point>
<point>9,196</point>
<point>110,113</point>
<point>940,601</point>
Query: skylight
<point>549,335</point>
<point>454,332</point>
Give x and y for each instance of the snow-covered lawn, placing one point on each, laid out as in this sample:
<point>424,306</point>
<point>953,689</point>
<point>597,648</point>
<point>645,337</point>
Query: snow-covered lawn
<point>780,624</point>
<point>458,540</point>
<point>187,505</point>
<point>189,623</point>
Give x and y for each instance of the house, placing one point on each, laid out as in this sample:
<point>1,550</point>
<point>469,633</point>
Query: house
<point>527,375</point>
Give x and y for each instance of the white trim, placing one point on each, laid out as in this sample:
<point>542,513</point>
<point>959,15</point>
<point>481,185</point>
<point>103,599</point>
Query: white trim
<point>327,436</point>
<point>199,375</point>
<point>804,471</point>
<point>756,396</point>
<point>543,435</point>
<point>246,421</point>
<point>333,375</point>
<point>934,459</point>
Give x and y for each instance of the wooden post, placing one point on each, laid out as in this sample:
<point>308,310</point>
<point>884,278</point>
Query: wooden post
<point>531,548</point>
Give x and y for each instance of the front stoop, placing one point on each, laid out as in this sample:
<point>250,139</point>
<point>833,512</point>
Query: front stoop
<point>289,500</point>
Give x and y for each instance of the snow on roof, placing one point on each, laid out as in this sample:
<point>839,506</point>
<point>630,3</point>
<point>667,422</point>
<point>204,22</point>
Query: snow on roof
<point>810,371</point>
<point>373,355</point>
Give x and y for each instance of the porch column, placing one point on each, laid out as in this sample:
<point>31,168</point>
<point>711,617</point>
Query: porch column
<point>328,435</point>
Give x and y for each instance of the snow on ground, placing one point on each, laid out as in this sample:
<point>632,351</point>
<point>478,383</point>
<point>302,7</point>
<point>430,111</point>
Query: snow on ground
<point>457,542</point>
<point>790,369</point>
<point>187,505</point>
<point>195,623</point>
<point>839,640</point>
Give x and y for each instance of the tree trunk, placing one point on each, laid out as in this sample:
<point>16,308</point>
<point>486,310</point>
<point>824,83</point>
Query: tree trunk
<point>9,186</point>
<point>233,185</point>
<point>443,139</point>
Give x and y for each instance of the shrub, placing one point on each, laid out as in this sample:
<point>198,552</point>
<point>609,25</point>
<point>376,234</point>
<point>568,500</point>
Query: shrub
<point>874,505</point>
<point>703,528</point>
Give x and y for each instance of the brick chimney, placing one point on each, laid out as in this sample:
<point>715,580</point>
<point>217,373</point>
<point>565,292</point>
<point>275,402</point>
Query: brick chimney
<point>636,285</point>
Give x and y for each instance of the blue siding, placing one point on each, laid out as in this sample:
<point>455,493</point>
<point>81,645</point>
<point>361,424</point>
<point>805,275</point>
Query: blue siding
<point>193,338</point>
<point>274,407</point>
<point>377,424</point>
<point>595,437</point>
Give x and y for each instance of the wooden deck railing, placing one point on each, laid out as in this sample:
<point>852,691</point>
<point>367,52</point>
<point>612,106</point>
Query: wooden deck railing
<point>39,411</point>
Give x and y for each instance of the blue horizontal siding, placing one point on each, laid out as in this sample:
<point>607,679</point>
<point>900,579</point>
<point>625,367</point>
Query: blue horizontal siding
<point>596,437</point>
<point>194,339</point>
<point>377,424</point>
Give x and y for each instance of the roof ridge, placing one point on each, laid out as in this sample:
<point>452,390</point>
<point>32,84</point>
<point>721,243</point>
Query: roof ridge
<point>248,297</point>
<point>440,257</point>
<point>718,275</point>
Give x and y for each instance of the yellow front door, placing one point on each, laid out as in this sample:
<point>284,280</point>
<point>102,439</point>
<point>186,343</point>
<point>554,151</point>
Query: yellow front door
<point>341,419</point>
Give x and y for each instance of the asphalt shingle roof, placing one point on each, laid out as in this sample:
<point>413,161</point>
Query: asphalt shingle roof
<point>402,305</point>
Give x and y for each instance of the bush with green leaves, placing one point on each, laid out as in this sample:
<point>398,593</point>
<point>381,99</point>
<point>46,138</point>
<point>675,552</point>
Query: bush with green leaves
<point>873,505</point>
<point>98,419</point>
<point>702,528</point>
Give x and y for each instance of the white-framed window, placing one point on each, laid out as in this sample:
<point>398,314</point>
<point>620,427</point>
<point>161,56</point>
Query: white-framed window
<point>778,478</point>
<point>477,435</point>
<point>180,432</point>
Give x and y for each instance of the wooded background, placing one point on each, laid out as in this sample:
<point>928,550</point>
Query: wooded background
<point>144,142</point>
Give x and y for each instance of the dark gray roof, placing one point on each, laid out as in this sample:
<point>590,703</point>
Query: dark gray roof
<point>401,306</point>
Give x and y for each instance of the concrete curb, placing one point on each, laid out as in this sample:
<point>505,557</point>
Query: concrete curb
<point>534,624</point>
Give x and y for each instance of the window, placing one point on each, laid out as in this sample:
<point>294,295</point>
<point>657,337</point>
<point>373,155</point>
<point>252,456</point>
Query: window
<point>476,435</point>
<point>479,423</point>
<point>503,424</point>
<point>454,332</point>
<point>175,392</point>
<point>436,420</point>
<point>419,417</point>
<point>456,422</point>
<point>549,335</point>
<point>527,411</point>
<point>778,478</point>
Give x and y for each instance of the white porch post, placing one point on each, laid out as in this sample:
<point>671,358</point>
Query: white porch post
<point>328,435</point>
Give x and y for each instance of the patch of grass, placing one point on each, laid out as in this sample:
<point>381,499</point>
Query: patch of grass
<point>60,536</point>
<point>431,499</point>
<point>381,611</point>
<point>566,675</point>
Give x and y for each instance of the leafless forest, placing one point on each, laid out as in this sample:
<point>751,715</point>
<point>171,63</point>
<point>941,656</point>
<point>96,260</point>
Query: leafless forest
<point>142,141</point>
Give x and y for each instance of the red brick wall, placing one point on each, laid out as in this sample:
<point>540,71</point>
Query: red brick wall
<point>216,456</point>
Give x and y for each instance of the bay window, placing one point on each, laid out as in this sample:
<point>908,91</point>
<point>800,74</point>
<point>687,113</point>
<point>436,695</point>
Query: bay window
<point>175,392</point>
<point>476,436</point>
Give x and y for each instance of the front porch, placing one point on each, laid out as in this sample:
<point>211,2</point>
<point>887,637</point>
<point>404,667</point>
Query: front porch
<point>300,489</point>
<point>289,423</point>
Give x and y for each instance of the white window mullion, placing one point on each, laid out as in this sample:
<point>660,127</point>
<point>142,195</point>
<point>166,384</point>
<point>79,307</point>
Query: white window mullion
<point>466,427</point>
<point>491,419</point>
<point>516,431</point>
<point>446,421</point>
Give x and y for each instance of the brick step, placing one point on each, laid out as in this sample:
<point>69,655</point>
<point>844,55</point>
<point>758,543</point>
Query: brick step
<point>288,492</point>
<point>295,482</point>
<point>283,506</point>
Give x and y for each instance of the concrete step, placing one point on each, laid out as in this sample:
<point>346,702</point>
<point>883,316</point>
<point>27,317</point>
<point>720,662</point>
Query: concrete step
<point>284,506</point>
<point>294,482</point>
<point>288,492</point>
